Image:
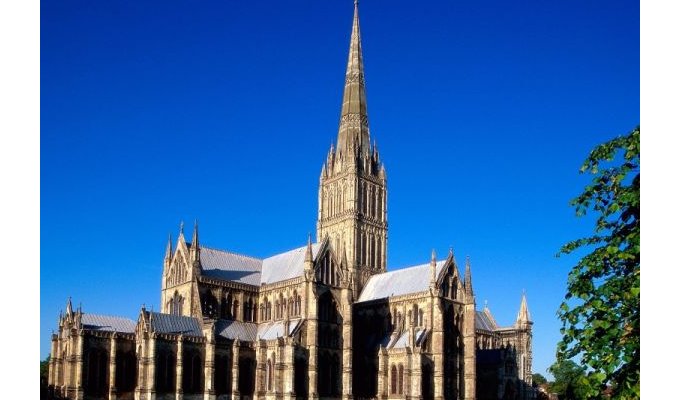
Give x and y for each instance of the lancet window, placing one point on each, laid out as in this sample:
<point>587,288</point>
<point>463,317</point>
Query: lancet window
<point>176,304</point>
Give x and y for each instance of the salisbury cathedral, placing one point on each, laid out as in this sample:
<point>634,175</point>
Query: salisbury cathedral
<point>326,320</point>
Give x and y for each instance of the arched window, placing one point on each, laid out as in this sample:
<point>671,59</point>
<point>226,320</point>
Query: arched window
<point>401,379</point>
<point>229,314</point>
<point>165,371</point>
<point>420,318</point>
<point>177,303</point>
<point>97,372</point>
<point>282,303</point>
<point>393,380</point>
<point>126,371</point>
<point>192,372</point>
<point>235,310</point>
<point>222,375</point>
<point>269,376</point>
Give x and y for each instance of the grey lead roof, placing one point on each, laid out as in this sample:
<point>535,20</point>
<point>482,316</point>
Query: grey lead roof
<point>97,322</point>
<point>167,323</point>
<point>405,339</point>
<point>286,265</point>
<point>244,331</point>
<point>229,266</point>
<point>239,268</point>
<point>248,331</point>
<point>273,330</point>
<point>484,320</point>
<point>396,283</point>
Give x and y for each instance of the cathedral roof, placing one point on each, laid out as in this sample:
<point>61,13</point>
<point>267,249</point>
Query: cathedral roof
<point>485,321</point>
<point>168,323</point>
<point>290,264</point>
<point>404,340</point>
<point>250,332</point>
<point>244,331</point>
<point>396,283</point>
<point>276,329</point>
<point>96,322</point>
<point>230,266</point>
<point>253,271</point>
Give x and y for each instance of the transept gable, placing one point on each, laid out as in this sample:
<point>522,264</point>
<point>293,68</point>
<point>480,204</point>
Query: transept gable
<point>329,268</point>
<point>449,280</point>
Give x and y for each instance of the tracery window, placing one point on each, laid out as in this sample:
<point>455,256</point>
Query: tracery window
<point>176,304</point>
<point>393,380</point>
<point>400,386</point>
<point>269,376</point>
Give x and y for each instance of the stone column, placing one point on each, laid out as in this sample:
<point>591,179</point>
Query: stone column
<point>260,369</point>
<point>438,348</point>
<point>469,350</point>
<point>179,393</point>
<point>209,368</point>
<point>235,395</point>
<point>79,366</point>
<point>112,368</point>
<point>415,368</point>
<point>382,373</point>
<point>312,338</point>
<point>151,367</point>
<point>141,365</point>
<point>407,372</point>
<point>288,365</point>
<point>51,376</point>
<point>346,343</point>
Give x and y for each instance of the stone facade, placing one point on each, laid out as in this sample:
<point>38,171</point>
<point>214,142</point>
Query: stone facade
<point>325,320</point>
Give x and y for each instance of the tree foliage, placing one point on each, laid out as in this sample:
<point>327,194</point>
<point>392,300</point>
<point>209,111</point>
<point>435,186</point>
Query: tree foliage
<point>601,311</point>
<point>570,380</point>
<point>538,379</point>
<point>44,365</point>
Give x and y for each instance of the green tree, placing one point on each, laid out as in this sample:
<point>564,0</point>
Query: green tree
<point>601,311</point>
<point>44,365</point>
<point>538,379</point>
<point>570,380</point>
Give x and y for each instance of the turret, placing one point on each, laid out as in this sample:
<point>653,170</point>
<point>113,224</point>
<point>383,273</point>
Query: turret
<point>433,269</point>
<point>468,278</point>
<point>168,253</point>
<point>195,252</point>
<point>309,259</point>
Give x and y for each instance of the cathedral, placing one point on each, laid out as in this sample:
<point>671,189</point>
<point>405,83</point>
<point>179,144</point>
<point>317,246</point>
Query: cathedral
<point>326,320</point>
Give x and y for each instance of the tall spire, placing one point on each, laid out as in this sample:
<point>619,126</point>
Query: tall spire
<point>353,134</point>
<point>523,314</point>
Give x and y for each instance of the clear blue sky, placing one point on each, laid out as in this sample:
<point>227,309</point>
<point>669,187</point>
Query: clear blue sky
<point>155,112</point>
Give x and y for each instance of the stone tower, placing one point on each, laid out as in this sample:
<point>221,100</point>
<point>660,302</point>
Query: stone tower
<point>353,185</point>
